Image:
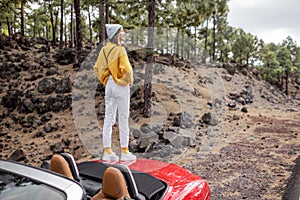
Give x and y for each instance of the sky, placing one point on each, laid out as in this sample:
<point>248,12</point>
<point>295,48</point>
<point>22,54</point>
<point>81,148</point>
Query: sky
<point>269,20</point>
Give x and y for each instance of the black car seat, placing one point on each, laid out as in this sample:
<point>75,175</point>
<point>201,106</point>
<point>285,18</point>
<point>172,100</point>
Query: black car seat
<point>113,186</point>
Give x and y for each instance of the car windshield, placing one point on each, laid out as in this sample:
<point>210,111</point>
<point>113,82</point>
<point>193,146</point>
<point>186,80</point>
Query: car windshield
<point>15,187</point>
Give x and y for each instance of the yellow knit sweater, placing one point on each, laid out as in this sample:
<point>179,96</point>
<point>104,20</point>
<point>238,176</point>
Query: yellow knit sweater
<point>118,65</point>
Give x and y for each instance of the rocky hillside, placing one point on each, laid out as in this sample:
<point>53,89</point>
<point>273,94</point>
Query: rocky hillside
<point>223,124</point>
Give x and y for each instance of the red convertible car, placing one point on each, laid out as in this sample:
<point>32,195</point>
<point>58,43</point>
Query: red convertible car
<point>96,180</point>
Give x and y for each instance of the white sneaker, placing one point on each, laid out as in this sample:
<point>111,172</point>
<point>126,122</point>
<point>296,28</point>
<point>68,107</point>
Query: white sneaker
<point>127,156</point>
<point>110,156</point>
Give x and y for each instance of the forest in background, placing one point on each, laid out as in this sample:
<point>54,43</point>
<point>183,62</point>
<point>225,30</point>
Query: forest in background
<point>195,30</point>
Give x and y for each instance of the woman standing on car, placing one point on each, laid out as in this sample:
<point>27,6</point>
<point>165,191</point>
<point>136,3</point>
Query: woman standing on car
<point>114,71</point>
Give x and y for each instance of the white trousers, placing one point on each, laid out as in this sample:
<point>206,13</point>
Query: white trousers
<point>117,98</point>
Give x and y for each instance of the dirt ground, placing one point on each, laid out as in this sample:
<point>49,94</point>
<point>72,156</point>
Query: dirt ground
<point>250,162</point>
<point>248,155</point>
<point>252,154</point>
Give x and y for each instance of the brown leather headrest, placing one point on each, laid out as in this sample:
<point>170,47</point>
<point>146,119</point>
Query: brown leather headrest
<point>113,184</point>
<point>59,165</point>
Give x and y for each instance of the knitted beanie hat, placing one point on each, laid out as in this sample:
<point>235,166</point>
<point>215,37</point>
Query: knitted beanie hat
<point>112,29</point>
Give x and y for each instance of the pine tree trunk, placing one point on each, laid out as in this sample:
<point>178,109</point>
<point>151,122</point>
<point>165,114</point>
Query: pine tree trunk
<point>90,25</point>
<point>150,59</point>
<point>102,21</point>
<point>13,29</point>
<point>205,43</point>
<point>214,40</point>
<point>195,43</point>
<point>52,24</point>
<point>167,41</point>
<point>286,82</point>
<point>182,44</point>
<point>176,46</point>
<point>61,24</point>
<point>71,29</point>
<point>56,22</point>
<point>34,26</point>
<point>65,32</point>
<point>78,31</point>
<point>22,18</point>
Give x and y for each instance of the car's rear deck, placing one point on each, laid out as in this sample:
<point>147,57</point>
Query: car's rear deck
<point>91,174</point>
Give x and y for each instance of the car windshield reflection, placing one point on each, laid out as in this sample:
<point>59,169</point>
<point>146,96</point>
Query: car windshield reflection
<point>15,187</point>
